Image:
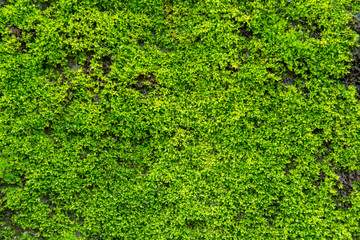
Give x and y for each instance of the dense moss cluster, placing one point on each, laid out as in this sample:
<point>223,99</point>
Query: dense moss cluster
<point>179,119</point>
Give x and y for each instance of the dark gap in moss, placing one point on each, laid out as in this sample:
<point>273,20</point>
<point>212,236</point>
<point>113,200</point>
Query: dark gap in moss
<point>132,166</point>
<point>153,33</point>
<point>72,63</point>
<point>48,131</point>
<point>326,146</point>
<point>6,215</point>
<point>145,170</point>
<point>168,8</point>
<point>305,91</point>
<point>344,188</point>
<point>252,191</point>
<point>43,5</point>
<point>3,3</point>
<point>57,70</point>
<point>48,128</point>
<point>320,178</point>
<point>72,134</point>
<point>44,64</point>
<point>206,15</point>
<point>23,48</point>
<point>271,219</point>
<point>47,200</point>
<point>192,224</point>
<point>244,55</point>
<point>74,215</point>
<point>87,64</point>
<point>317,131</point>
<point>356,23</point>
<point>141,43</point>
<point>145,83</point>
<point>15,31</point>
<point>106,64</point>
<point>353,77</point>
<point>21,181</point>
<point>239,216</point>
<point>102,7</point>
<point>290,165</point>
<point>231,69</point>
<point>270,70</point>
<point>18,33</point>
<point>197,39</point>
<point>79,234</point>
<point>305,191</point>
<point>70,96</point>
<point>61,32</point>
<point>180,147</point>
<point>85,153</point>
<point>246,32</point>
<point>289,79</point>
<point>63,79</point>
<point>313,29</point>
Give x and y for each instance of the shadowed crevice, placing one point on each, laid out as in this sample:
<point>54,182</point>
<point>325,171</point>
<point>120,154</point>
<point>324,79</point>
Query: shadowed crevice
<point>353,77</point>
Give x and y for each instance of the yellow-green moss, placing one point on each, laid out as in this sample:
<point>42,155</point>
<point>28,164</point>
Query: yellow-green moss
<point>167,119</point>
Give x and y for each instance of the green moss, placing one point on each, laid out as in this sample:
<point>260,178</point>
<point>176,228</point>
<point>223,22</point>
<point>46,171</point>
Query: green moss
<point>178,120</point>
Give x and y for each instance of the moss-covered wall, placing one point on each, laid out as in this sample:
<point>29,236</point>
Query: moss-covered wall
<point>164,119</point>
